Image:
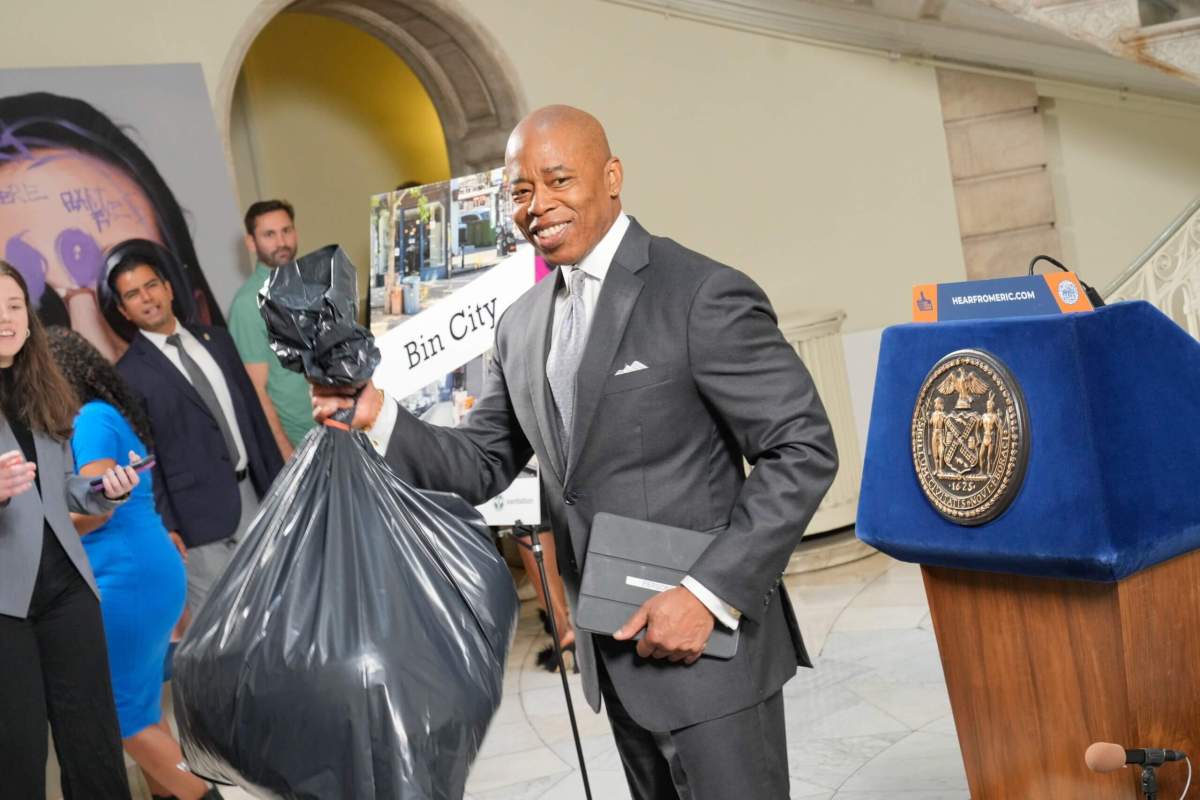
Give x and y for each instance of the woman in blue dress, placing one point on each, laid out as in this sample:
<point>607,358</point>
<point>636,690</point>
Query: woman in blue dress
<point>138,567</point>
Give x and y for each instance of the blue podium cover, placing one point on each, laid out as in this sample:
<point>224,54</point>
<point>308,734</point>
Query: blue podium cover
<point>1113,481</point>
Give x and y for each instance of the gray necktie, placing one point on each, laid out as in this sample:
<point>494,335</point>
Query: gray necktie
<point>205,390</point>
<point>566,354</point>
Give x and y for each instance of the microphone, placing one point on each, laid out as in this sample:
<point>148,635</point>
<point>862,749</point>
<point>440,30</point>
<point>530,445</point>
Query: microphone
<point>1106,756</point>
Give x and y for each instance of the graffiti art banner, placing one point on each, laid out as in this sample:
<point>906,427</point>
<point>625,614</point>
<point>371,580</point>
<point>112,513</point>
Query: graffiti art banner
<point>91,158</point>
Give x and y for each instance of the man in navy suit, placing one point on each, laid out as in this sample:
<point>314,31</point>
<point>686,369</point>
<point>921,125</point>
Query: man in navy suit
<point>216,455</point>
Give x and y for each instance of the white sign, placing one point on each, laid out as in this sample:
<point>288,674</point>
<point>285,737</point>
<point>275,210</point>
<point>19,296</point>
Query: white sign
<point>448,334</point>
<point>520,502</point>
<point>453,330</point>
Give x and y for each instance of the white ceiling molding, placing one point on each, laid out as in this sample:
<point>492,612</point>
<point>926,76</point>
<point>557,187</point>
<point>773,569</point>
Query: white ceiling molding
<point>965,33</point>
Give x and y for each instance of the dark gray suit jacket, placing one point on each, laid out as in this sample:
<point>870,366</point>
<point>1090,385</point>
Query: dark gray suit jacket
<point>21,520</point>
<point>663,444</point>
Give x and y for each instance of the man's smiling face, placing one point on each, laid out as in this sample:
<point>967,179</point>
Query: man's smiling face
<point>565,185</point>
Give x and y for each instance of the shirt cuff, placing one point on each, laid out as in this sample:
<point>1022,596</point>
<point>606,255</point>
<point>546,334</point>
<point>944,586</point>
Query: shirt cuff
<point>381,432</point>
<point>726,614</point>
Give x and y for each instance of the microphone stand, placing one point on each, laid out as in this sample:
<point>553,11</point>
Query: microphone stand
<point>1149,782</point>
<point>520,532</point>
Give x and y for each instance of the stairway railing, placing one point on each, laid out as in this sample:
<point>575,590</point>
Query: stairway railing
<point>1167,274</point>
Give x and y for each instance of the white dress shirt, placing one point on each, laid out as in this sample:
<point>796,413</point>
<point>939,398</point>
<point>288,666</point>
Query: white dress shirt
<point>212,371</point>
<point>595,265</point>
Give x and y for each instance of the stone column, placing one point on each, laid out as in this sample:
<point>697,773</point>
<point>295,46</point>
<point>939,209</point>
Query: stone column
<point>996,145</point>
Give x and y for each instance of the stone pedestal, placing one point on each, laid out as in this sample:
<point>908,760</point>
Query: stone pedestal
<point>817,337</point>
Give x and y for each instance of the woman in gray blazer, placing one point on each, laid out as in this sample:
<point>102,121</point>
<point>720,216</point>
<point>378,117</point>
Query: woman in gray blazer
<point>53,661</point>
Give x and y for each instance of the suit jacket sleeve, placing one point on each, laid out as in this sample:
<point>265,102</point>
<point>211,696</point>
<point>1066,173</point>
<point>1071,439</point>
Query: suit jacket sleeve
<point>80,497</point>
<point>476,461</point>
<point>765,399</point>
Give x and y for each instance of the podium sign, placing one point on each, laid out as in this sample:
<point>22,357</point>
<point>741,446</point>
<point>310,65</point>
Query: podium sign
<point>1028,296</point>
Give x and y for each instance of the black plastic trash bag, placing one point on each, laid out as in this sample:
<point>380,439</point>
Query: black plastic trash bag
<point>355,648</point>
<point>310,306</point>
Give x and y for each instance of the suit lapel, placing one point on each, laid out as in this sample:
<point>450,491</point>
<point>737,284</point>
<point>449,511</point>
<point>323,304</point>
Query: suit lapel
<point>242,423</point>
<point>541,325</point>
<point>618,296</point>
<point>206,341</point>
<point>159,364</point>
<point>45,459</point>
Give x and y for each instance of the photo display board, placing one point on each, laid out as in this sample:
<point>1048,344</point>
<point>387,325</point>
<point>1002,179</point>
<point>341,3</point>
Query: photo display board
<point>446,261</point>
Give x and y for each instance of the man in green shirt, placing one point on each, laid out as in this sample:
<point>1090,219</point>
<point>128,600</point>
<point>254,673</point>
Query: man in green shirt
<point>271,239</point>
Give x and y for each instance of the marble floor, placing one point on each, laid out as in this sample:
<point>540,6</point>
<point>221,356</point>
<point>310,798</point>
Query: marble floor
<point>871,722</point>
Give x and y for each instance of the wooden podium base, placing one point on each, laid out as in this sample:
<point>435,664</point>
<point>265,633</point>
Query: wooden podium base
<point>1040,668</point>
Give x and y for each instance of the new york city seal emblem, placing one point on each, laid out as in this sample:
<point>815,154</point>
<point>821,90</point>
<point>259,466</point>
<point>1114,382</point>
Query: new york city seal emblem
<point>970,437</point>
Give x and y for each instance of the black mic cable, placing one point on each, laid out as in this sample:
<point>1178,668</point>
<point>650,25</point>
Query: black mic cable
<point>1092,295</point>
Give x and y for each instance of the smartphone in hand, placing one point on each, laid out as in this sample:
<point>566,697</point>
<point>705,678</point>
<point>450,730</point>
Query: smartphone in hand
<point>141,465</point>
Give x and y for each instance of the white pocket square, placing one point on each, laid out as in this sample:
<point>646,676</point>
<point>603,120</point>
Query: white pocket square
<point>636,366</point>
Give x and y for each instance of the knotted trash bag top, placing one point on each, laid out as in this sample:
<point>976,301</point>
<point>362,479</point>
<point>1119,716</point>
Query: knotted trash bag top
<point>311,307</point>
<point>355,647</point>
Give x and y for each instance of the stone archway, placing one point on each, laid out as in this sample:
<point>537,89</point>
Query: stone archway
<point>469,79</point>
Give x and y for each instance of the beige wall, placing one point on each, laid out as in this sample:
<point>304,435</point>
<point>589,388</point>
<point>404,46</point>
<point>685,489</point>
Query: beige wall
<point>822,174</point>
<point>74,33</point>
<point>325,116</point>
<point>1121,175</point>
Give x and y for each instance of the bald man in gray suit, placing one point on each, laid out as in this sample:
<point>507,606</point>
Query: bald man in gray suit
<point>642,374</point>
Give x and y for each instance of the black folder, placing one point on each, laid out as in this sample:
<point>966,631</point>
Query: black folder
<point>628,562</point>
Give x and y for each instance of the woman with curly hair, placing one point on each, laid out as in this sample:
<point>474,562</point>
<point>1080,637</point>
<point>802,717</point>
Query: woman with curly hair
<point>138,567</point>
<point>53,669</point>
